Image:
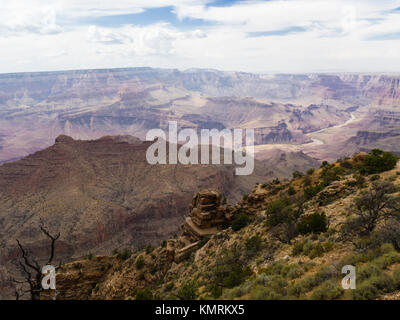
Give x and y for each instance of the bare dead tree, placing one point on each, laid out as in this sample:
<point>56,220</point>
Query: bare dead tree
<point>31,269</point>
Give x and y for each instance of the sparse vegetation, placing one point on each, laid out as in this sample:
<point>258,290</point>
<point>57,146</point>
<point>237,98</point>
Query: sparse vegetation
<point>188,291</point>
<point>240,221</point>
<point>291,191</point>
<point>253,245</point>
<point>139,262</point>
<point>378,161</point>
<point>310,171</point>
<point>372,207</point>
<point>143,294</point>
<point>258,259</point>
<point>125,254</point>
<point>315,223</point>
<point>297,174</point>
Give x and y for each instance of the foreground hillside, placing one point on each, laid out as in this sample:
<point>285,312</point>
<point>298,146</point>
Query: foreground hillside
<point>103,194</point>
<point>284,240</point>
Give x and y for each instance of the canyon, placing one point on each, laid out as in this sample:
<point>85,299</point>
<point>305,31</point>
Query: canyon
<point>72,149</point>
<point>283,109</point>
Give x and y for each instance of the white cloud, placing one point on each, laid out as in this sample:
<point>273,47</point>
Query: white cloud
<point>338,36</point>
<point>106,36</point>
<point>56,54</point>
<point>157,39</point>
<point>16,18</point>
<point>37,16</point>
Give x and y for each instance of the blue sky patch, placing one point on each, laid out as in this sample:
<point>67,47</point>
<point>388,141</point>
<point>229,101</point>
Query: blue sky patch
<point>223,3</point>
<point>148,17</point>
<point>281,32</point>
<point>387,36</point>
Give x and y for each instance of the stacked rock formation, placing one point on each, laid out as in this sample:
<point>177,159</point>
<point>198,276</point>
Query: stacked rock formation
<point>207,216</point>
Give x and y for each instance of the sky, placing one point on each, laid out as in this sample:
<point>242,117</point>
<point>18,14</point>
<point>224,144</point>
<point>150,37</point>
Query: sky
<point>274,36</point>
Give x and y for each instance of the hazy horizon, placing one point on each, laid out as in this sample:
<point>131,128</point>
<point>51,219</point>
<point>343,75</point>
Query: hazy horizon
<point>209,69</point>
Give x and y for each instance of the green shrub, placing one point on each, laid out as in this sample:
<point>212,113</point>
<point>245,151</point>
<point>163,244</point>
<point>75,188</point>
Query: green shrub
<point>272,287</point>
<point>329,290</point>
<point>139,263</point>
<point>188,291</point>
<point>310,171</point>
<point>229,271</point>
<point>307,181</point>
<point>297,248</point>
<point>149,249</point>
<point>372,287</point>
<point>317,251</point>
<point>367,271</point>
<point>297,174</point>
<point>291,191</point>
<point>387,259</point>
<point>241,220</point>
<point>315,223</point>
<point>278,212</point>
<point>237,275</point>
<point>274,269</point>
<point>312,191</point>
<point>292,271</point>
<point>308,246</point>
<point>378,161</point>
<point>375,177</point>
<point>359,181</point>
<point>152,269</point>
<point>311,249</point>
<point>144,294</point>
<point>264,293</point>
<point>346,164</point>
<point>328,246</point>
<point>396,278</point>
<point>215,290</point>
<point>383,282</point>
<point>364,291</point>
<point>125,254</point>
<point>331,173</point>
<point>324,164</point>
<point>253,245</point>
<point>308,283</point>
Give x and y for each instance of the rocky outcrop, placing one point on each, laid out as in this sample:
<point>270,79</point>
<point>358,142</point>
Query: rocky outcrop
<point>279,134</point>
<point>337,189</point>
<point>207,217</point>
